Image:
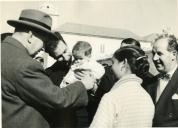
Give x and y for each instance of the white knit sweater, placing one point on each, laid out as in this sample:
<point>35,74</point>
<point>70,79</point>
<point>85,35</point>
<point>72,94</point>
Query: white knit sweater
<point>126,105</point>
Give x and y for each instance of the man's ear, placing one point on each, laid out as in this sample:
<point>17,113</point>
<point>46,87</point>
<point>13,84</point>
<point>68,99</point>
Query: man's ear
<point>174,53</point>
<point>30,34</point>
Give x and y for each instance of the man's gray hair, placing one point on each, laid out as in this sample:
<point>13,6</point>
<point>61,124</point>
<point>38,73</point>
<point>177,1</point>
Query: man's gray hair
<point>172,41</point>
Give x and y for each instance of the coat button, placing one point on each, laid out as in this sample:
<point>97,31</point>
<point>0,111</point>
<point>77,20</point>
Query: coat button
<point>170,115</point>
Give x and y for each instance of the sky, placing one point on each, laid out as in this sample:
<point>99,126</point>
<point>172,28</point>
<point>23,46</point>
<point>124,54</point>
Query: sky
<point>142,17</point>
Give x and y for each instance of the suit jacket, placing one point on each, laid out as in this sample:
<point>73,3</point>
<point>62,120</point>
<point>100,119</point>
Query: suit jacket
<point>166,108</point>
<point>27,90</point>
<point>58,71</point>
<point>63,117</point>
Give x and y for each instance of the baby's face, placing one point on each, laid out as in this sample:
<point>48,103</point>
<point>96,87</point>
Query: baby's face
<point>80,58</point>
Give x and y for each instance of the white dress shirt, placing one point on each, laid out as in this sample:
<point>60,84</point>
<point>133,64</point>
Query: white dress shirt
<point>162,83</point>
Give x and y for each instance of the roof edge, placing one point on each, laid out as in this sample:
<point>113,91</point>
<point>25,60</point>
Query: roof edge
<point>92,35</point>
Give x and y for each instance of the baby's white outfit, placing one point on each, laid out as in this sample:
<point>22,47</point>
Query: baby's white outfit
<point>96,68</point>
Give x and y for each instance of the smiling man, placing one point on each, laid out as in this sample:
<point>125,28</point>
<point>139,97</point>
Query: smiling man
<point>164,91</point>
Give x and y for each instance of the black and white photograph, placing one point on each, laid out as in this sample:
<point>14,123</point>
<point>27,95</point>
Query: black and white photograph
<point>89,63</point>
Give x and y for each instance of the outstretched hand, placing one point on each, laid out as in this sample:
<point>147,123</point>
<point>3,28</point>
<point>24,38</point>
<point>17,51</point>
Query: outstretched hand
<point>86,77</point>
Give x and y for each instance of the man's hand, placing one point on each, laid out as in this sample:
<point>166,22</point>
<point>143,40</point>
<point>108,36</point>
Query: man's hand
<point>86,78</point>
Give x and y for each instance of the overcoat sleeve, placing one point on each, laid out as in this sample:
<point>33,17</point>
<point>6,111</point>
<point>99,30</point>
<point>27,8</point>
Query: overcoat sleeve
<point>35,88</point>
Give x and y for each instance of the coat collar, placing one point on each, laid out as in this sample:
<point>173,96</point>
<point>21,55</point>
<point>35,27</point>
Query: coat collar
<point>12,41</point>
<point>127,78</point>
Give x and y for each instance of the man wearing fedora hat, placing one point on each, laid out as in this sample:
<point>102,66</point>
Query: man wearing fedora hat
<point>26,89</point>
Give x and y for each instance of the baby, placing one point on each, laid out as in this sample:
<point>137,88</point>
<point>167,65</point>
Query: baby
<point>82,60</point>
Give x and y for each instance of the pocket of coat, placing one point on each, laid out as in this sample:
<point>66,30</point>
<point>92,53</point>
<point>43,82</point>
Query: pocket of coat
<point>175,96</point>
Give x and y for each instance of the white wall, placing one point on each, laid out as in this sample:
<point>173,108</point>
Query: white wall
<point>101,47</point>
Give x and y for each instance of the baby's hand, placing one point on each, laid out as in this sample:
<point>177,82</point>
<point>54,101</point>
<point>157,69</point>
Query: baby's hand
<point>80,73</point>
<point>86,77</point>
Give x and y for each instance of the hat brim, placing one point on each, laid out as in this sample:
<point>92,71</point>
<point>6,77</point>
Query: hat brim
<point>19,23</point>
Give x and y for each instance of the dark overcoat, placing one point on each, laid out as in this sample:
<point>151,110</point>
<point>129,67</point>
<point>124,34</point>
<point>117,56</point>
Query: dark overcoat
<point>26,89</point>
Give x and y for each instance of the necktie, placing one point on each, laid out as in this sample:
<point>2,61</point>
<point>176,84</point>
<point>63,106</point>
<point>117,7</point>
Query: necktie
<point>164,76</point>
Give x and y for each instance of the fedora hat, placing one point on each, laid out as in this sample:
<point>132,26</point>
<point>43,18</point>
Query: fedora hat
<point>35,20</point>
